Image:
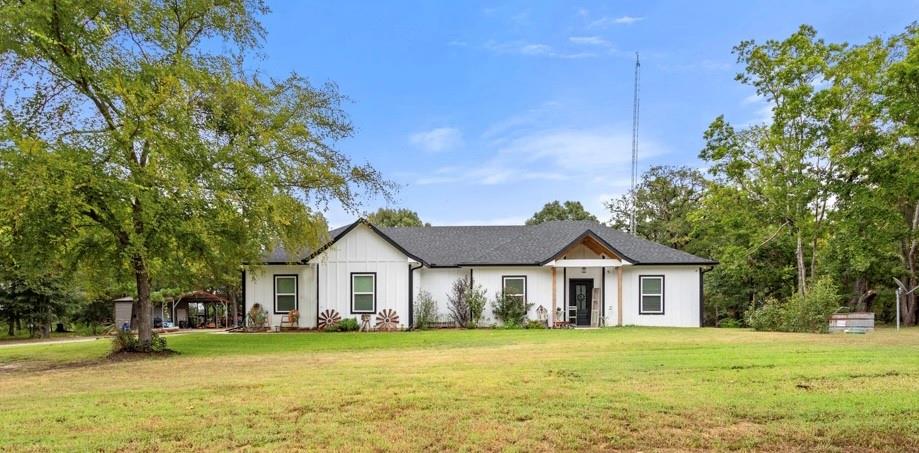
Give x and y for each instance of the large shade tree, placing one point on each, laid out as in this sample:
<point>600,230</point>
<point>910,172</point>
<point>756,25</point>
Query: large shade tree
<point>135,140</point>
<point>663,200</point>
<point>401,217</point>
<point>569,210</point>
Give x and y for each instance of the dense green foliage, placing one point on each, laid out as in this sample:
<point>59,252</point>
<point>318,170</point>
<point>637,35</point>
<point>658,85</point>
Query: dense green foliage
<point>824,190</point>
<point>466,303</point>
<point>663,200</point>
<point>425,310</point>
<point>347,325</point>
<point>801,313</point>
<point>569,210</point>
<point>135,147</point>
<point>510,310</point>
<point>386,217</point>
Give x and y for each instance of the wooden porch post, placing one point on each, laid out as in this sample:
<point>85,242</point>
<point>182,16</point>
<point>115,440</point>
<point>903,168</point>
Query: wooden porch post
<point>553,298</point>
<point>619,296</point>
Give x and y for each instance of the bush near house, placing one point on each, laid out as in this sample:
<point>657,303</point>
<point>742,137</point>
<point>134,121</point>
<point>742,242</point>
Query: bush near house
<point>466,303</point>
<point>425,310</point>
<point>807,313</point>
<point>511,311</point>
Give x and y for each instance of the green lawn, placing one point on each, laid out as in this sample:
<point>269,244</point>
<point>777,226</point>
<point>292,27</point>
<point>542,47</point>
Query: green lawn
<point>626,388</point>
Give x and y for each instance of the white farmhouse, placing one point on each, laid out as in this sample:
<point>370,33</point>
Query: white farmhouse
<point>578,273</point>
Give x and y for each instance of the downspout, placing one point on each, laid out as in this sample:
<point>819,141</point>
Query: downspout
<point>702,271</point>
<point>411,295</point>
<point>317,295</point>
<point>244,299</point>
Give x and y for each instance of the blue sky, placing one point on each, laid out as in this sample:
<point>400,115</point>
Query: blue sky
<point>483,112</point>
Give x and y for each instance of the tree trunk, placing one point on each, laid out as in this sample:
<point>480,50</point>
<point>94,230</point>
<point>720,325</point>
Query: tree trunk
<point>234,312</point>
<point>11,331</point>
<point>144,323</point>
<point>802,269</point>
<point>862,296</point>
<point>908,303</point>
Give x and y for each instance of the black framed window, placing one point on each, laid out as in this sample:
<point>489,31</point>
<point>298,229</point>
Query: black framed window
<point>285,293</point>
<point>515,286</point>
<point>651,294</point>
<point>363,292</point>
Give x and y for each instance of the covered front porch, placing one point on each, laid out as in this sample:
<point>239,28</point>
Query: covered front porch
<point>589,273</point>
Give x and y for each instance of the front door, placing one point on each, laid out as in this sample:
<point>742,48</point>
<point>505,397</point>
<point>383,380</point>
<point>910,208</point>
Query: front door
<point>580,291</point>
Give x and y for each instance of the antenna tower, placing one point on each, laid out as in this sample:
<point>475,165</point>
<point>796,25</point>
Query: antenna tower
<point>634,146</point>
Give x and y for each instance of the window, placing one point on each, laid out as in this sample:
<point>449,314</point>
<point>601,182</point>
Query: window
<point>651,288</point>
<point>285,293</point>
<point>364,293</point>
<point>515,286</point>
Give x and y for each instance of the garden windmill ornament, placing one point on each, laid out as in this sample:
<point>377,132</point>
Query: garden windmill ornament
<point>902,290</point>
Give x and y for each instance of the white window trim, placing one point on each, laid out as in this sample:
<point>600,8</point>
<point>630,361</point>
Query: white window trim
<point>295,293</point>
<point>373,293</point>
<point>642,294</point>
<point>504,280</point>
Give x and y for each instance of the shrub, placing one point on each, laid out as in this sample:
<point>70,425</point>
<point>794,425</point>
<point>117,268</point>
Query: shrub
<point>348,325</point>
<point>810,313</point>
<point>729,323</point>
<point>476,300</point>
<point>457,304</point>
<point>158,344</point>
<point>536,324</point>
<point>466,303</point>
<point>510,310</point>
<point>126,341</point>
<point>425,310</point>
<point>800,313</point>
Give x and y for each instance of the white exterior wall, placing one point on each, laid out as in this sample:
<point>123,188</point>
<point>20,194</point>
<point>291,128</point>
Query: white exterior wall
<point>260,289</point>
<point>539,287</point>
<point>681,296</point>
<point>362,250</point>
<point>438,282</point>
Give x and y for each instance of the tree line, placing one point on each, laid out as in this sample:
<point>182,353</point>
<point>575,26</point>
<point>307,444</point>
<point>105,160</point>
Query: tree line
<point>828,187</point>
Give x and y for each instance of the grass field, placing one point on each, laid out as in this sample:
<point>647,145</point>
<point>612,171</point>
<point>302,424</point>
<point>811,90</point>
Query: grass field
<point>626,388</point>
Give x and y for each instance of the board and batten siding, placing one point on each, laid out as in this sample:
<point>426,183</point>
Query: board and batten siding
<point>361,250</point>
<point>681,296</point>
<point>260,290</point>
<point>439,283</point>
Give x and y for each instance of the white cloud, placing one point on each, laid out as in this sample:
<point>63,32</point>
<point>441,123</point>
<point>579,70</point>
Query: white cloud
<point>590,41</point>
<point>761,109</point>
<point>533,50</point>
<point>586,156</point>
<point>621,20</point>
<point>437,140</point>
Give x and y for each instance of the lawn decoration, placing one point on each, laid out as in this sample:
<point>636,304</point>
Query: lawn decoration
<point>365,323</point>
<point>328,319</point>
<point>387,320</point>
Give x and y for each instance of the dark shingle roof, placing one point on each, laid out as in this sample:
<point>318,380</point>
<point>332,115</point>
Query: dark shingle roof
<point>525,244</point>
<point>511,244</point>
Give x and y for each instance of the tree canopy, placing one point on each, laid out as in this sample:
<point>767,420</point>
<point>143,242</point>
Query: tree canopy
<point>135,143</point>
<point>569,210</point>
<point>826,189</point>
<point>389,217</point>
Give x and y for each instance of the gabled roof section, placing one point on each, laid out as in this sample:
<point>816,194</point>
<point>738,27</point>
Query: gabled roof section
<point>510,245</point>
<point>341,232</point>
<point>453,246</point>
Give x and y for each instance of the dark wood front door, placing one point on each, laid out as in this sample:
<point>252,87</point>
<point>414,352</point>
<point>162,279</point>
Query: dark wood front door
<point>579,293</point>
